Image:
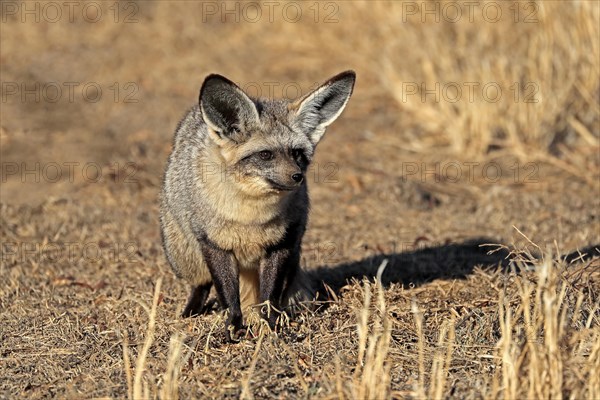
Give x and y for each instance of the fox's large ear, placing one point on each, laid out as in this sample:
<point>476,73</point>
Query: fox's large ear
<point>226,109</point>
<point>315,111</point>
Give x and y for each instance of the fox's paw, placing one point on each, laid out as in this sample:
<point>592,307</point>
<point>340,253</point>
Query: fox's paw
<point>234,330</point>
<point>234,336</point>
<point>271,319</point>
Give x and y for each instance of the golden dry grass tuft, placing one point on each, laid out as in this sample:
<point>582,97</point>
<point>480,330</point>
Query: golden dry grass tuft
<point>371,379</point>
<point>549,343</point>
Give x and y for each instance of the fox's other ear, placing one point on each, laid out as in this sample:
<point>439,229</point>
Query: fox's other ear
<point>318,109</point>
<point>226,109</point>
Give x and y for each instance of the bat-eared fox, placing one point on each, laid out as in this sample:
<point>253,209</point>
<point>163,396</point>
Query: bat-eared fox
<point>234,203</point>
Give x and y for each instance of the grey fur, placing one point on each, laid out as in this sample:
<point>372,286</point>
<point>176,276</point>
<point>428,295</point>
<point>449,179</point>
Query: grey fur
<point>234,203</point>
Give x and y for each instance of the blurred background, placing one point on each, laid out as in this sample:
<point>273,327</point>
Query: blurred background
<point>456,106</point>
<point>103,81</point>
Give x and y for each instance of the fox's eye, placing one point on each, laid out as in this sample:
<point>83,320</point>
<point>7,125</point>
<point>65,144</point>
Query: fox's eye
<point>266,155</point>
<point>296,153</point>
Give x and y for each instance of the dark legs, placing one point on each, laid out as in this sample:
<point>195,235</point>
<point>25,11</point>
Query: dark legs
<point>225,276</point>
<point>276,273</point>
<point>197,300</point>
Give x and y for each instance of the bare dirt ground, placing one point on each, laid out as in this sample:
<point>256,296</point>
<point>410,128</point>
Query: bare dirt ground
<point>427,182</point>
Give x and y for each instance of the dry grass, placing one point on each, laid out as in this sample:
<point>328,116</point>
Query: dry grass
<point>546,335</point>
<point>544,331</point>
<point>549,80</point>
<point>371,378</point>
<point>442,320</point>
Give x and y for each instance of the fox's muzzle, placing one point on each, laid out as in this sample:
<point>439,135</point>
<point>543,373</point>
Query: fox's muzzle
<point>293,182</point>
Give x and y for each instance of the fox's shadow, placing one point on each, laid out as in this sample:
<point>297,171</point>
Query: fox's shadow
<point>450,261</point>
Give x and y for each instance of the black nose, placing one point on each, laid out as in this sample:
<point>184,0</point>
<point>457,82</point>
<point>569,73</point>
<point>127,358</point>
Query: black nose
<point>297,178</point>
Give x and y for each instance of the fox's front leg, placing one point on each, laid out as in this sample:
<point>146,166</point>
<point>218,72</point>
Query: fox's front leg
<point>225,275</point>
<point>277,271</point>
